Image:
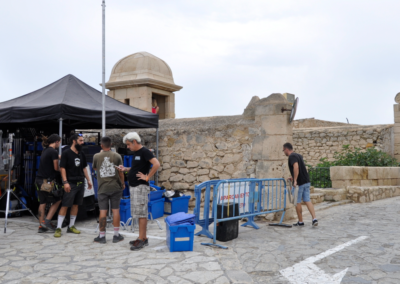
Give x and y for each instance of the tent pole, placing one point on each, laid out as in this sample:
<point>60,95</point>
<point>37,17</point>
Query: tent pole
<point>104,71</point>
<point>60,134</point>
<point>156,181</point>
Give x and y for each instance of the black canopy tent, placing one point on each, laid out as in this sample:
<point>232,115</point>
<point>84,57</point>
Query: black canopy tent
<point>70,103</point>
<point>76,103</point>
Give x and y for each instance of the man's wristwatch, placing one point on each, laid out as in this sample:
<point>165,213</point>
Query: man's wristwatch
<point>65,181</point>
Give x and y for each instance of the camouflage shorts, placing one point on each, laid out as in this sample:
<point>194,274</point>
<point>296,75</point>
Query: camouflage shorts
<point>139,200</point>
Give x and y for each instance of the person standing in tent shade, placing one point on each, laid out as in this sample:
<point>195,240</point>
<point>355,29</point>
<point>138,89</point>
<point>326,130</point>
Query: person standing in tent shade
<point>45,181</point>
<point>73,172</point>
<point>111,184</point>
<point>138,178</point>
<point>300,178</point>
<point>155,108</point>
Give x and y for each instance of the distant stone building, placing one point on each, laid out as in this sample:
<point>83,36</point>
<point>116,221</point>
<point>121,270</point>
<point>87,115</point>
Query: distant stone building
<point>140,77</point>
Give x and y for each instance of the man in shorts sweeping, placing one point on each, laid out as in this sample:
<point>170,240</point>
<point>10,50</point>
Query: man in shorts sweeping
<point>138,178</point>
<point>73,172</point>
<point>111,184</point>
<point>300,177</point>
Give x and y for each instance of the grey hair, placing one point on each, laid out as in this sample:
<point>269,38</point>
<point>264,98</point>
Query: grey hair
<point>132,136</point>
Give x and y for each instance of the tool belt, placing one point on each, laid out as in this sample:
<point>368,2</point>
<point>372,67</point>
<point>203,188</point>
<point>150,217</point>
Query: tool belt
<point>47,185</point>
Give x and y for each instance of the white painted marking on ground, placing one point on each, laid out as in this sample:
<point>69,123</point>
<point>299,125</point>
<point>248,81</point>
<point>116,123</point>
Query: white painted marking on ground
<point>306,272</point>
<point>88,230</point>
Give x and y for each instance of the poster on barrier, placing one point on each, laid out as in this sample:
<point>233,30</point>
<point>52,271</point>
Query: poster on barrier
<point>235,192</point>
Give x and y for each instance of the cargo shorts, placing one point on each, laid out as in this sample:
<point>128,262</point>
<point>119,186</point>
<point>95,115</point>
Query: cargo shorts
<point>139,200</point>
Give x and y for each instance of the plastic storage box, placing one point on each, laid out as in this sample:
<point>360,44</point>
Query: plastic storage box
<point>125,209</point>
<point>180,238</point>
<point>128,160</point>
<point>155,195</point>
<point>178,204</point>
<point>156,208</point>
<point>126,191</point>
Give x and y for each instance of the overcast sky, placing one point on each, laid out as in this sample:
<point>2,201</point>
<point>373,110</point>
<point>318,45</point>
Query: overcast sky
<point>341,58</point>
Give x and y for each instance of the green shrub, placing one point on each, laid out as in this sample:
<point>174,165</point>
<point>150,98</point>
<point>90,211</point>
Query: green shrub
<point>320,175</point>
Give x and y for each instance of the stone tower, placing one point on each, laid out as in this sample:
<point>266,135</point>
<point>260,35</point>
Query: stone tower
<point>140,77</point>
<point>396,128</point>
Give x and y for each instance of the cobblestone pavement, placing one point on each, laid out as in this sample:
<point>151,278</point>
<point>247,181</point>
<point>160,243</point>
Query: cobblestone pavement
<point>256,256</point>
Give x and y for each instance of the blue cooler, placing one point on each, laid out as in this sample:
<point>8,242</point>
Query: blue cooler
<point>128,161</point>
<point>126,191</point>
<point>156,208</point>
<point>180,238</point>
<point>178,204</point>
<point>125,209</point>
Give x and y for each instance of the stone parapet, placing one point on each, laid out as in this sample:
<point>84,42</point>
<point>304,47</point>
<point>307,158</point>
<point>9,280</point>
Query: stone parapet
<point>372,193</point>
<point>343,177</point>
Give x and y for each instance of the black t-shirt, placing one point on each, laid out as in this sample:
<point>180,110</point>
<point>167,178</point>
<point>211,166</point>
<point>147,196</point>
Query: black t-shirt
<point>140,163</point>
<point>46,167</point>
<point>73,164</point>
<point>303,177</point>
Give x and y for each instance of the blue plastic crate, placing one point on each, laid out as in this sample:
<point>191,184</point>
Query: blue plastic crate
<point>128,160</point>
<point>156,208</point>
<point>37,162</point>
<point>154,195</point>
<point>125,209</point>
<point>180,238</point>
<point>126,190</point>
<point>178,204</point>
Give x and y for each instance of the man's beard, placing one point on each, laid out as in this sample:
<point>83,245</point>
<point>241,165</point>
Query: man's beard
<point>78,147</point>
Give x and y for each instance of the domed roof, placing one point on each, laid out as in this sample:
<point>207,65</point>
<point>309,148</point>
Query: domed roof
<point>141,65</point>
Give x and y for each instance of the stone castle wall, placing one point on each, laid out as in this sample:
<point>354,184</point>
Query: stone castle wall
<point>312,122</point>
<point>195,150</point>
<point>323,142</point>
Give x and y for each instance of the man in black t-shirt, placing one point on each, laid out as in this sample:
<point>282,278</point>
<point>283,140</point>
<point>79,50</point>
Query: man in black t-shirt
<point>73,172</point>
<point>138,178</point>
<point>45,181</point>
<point>300,178</point>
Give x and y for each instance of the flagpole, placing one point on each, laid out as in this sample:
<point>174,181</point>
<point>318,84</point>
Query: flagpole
<point>103,115</point>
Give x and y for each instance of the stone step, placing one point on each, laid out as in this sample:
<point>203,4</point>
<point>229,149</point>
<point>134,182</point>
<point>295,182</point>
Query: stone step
<point>332,194</point>
<point>316,198</point>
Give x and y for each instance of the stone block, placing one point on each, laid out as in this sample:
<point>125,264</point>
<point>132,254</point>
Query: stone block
<point>338,183</point>
<point>395,172</point>
<point>189,178</point>
<point>180,186</point>
<point>183,171</point>
<point>203,172</point>
<point>206,163</point>
<point>213,174</point>
<point>167,185</point>
<point>224,176</point>
<point>203,178</point>
<point>229,169</point>
<point>358,173</point>
<point>355,182</point>
<point>337,173</point>
<point>231,158</point>
<point>275,125</point>
<point>192,164</point>
<point>396,129</point>
<point>366,182</point>
<point>374,182</point>
<point>218,168</point>
<point>177,177</point>
<point>271,169</point>
<point>239,174</point>
<point>393,181</point>
<point>372,173</point>
<point>164,175</point>
<point>178,163</point>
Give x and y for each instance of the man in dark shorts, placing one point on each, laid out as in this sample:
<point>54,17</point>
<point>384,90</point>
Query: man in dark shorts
<point>111,184</point>
<point>45,182</point>
<point>138,178</point>
<point>73,172</point>
<point>300,178</point>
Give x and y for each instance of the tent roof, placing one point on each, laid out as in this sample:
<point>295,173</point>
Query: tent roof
<point>78,104</point>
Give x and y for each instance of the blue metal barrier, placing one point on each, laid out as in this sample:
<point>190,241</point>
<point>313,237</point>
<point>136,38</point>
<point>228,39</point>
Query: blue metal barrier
<point>207,220</point>
<point>254,197</point>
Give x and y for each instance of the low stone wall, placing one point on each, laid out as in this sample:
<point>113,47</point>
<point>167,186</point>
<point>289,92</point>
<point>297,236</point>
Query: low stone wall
<point>343,177</point>
<point>371,193</point>
<point>316,143</point>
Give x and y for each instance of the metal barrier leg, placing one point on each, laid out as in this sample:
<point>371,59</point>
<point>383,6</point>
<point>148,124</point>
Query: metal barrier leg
<point>152,221</point>
<point>250,222</point>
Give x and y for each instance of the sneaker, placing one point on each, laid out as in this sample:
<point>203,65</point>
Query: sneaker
<point>138,244</point>
<point>73,230</point>
<point>118,238</point>
<point>298,224</point>
<point>146,242</point>
<point>100,240</point>
<point>49,226</point>
<point>57,234</point>
<point>315,223</point>
<point>42,229</point>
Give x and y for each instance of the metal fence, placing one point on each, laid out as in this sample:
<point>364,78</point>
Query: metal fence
<point>320,177</point>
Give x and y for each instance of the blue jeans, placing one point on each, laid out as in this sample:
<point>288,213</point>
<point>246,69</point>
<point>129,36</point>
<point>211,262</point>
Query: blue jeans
<point>304,193</point>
